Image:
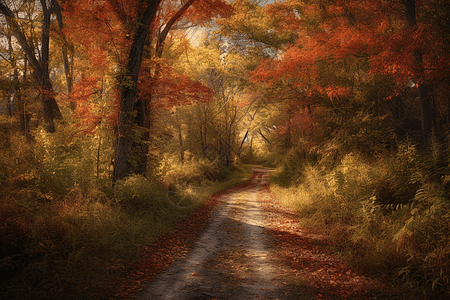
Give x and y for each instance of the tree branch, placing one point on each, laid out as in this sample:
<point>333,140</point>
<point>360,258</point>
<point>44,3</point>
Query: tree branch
<point>20,36</point>
<point>162,36</point>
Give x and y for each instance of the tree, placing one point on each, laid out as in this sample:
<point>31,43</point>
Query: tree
<point>220,126</point>
<point>36,55</point>
<point>130,88</point>
<point>427,110</point>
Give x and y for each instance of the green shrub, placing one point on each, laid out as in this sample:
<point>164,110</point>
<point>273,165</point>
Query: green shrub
<point>365,134</point>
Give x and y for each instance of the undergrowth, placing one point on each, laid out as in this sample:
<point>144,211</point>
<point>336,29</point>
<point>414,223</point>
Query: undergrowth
<point>62,225</point>
<point>388,215</point>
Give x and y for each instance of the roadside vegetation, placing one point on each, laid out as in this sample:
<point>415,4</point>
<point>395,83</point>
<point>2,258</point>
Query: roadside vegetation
<point>63,225</point>
<point>388,215</point>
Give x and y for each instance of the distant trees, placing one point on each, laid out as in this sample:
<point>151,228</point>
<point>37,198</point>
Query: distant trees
<point>349,56</point>
<point>213,129</point>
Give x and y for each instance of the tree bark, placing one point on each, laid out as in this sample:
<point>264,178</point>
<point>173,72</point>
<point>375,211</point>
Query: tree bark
<point>140,145</point>
<point>163,34</point>
<point>14,78</point>
<point>262,135</point>
<point>204,131</point>
<point>25,116</point>
<point>129,87</point>
<point>242,143</point>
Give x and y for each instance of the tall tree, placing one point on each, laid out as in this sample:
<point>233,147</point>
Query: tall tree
<point>127,35</point>
<point>129,91</point>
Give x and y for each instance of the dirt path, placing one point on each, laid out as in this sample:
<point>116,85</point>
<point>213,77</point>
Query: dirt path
<point>253,249</point>
<point>232,257</point>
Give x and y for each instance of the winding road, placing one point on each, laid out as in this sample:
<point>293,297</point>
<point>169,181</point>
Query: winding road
<point>254,249</point>
<point>232,258</point>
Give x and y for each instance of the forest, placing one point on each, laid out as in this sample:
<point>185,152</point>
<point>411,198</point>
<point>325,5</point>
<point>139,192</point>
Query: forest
<point>119,118</point>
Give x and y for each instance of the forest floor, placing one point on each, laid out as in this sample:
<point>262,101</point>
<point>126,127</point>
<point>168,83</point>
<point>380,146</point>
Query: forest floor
<point>249,248</point>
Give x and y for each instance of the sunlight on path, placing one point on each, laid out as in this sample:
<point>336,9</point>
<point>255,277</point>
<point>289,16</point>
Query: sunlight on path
<point>231,259</point>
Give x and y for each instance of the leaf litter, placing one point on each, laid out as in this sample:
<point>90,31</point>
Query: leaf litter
<point>241,244</point>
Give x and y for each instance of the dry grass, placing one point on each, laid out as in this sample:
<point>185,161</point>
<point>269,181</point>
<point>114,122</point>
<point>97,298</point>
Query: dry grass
<point>406,242</point>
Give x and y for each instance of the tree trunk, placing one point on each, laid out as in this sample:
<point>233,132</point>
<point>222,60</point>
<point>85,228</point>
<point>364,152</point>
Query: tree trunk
<point>140,145</point>
<point>51,109</point>
<point>124,142</point>
<point>262,135</point>
<point>204,132</point>
<point>242,143</point>
<point>163,34</point>
<point>25,116</point>
<point>426,107</point>
<point>14,82</point>
<point>68,64</point>
<point>180,138</point>
<point>140,150</point>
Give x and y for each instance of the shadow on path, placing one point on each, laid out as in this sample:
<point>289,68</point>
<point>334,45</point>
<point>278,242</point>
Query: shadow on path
<point>254,249</point>
<point>231,259</point>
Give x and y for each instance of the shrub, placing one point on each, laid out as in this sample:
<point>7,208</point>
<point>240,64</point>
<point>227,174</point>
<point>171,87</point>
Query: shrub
<point>388,216</point>
<point>291,168</point>
<point>365,134</point>
<point>137,193</point>
<point>68,160</point>
<point>193,171</point>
